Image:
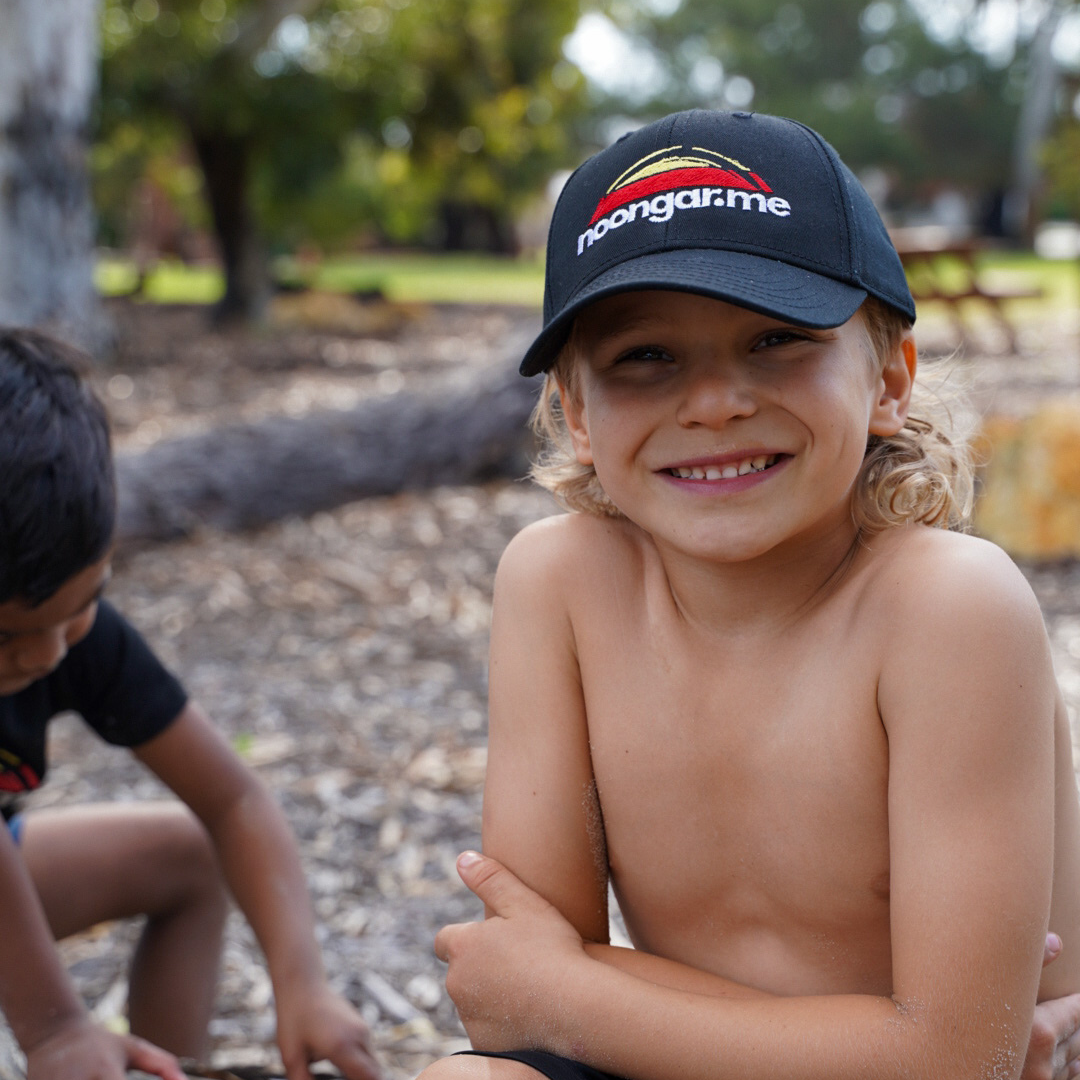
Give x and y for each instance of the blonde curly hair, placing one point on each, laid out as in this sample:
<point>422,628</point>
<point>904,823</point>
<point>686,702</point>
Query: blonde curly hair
<point>922,474</point>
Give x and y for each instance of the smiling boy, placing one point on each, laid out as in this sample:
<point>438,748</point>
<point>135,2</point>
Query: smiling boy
<point>64,869</point>
<point>813,741</point>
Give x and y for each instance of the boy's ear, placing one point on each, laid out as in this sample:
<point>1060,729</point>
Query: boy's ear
<point>573,410</point>
<point>894,390</point>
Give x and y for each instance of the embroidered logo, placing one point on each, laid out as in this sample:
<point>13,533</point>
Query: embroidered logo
<point>679,178</point>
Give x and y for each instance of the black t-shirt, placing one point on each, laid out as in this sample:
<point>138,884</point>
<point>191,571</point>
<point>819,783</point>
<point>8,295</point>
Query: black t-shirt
<point>111,678</point>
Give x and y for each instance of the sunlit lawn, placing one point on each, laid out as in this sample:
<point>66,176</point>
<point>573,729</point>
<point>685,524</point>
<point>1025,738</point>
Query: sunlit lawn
<point>404,277</point>
<point>1058,280</point>
<point>492,280</point>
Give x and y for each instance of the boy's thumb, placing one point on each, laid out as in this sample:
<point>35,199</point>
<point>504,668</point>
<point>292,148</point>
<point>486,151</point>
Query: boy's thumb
<point>1052,948</point>
<point>500,890</point>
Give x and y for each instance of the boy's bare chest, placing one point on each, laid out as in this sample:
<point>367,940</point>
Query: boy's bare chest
<point>744,794</point>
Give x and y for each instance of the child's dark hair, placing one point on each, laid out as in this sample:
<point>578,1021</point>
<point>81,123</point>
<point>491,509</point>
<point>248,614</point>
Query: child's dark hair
<point>57,484</point>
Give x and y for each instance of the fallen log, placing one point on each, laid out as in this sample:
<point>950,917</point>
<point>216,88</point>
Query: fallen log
<point>247,475</point>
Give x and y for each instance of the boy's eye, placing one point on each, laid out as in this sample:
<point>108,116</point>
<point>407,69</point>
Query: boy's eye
<point>5,638</point>
<point>645,354</point>
<point>780,336</point>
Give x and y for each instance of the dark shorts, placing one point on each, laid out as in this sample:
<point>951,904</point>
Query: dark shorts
<point>552,1066</point>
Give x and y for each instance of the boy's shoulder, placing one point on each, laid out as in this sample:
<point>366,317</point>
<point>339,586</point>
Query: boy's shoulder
<point>570,547</point>
<point>928,577</point>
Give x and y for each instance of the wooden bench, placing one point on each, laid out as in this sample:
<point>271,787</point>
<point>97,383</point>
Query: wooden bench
<point>945,269</point>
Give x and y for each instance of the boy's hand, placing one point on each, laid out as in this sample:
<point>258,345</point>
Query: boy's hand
<point>84,1051</point>
<point>1054,1048</point>
<point>504,972</point>
<point>323,1025</point>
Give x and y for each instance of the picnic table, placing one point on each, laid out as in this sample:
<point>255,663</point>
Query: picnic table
<point>944,267</point>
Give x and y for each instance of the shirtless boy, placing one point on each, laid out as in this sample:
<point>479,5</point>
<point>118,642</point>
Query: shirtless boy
<point>814,741</point>
<point>63,869</point>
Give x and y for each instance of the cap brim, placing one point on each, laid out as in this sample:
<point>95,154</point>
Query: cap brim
<point>761,284</point>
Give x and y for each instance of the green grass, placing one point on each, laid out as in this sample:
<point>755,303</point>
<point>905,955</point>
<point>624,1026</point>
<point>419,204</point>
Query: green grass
<point>460,279</point>
<point>1059,281</point>
<point>463,279</point>
<point>166,283</point>
<point>471,279</point>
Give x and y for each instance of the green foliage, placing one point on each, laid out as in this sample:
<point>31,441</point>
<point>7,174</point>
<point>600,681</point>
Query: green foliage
<point>865,73</point>
<point>354,114</point>
<point>1061,160</point>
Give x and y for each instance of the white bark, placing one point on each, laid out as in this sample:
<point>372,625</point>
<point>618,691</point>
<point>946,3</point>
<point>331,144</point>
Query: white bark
<point>1036,119</point>
<point>48,76</point>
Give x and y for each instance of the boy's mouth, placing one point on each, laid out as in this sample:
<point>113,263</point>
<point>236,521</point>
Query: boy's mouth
<point>728,471</point>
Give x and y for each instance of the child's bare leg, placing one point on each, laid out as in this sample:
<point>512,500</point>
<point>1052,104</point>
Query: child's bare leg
<point>107,861</point>
<point>478,1068</point>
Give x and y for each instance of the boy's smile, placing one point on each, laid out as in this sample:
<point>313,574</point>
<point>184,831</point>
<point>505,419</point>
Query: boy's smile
<point>33,640</point>
<point>721,431</point>
<point>724,472</point>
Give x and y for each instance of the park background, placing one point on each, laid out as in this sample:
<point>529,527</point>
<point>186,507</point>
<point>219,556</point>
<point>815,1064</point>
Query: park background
<point>304,241</point>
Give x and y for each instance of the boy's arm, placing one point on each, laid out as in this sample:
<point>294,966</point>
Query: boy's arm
<point>967,699</point>
<point>262,867</point>
<point>41,1006</point>
<point>541,811</point>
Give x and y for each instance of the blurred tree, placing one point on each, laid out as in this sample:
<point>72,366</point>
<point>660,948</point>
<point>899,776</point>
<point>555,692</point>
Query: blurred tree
<point>47,80</point>
<point>1036,120</point>
<point>1061,160</point>
<point>474,107</point>
<point>922,90</point>
<point>310,119</point>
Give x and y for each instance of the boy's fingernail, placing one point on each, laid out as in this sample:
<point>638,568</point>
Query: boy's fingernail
<point>467,859</point>
<point>1053,941</point>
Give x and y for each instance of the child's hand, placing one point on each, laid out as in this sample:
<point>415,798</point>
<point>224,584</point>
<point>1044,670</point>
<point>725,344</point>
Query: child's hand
<point>84,1051</point>
<point>1054,1048</point>
<point>323,1025</point>
<point>505,971</point>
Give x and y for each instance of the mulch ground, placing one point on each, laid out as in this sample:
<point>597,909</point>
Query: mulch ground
<point>345,654</point>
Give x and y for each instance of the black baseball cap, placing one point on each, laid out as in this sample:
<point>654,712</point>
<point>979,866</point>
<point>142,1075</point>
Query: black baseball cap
<point>753,209</point>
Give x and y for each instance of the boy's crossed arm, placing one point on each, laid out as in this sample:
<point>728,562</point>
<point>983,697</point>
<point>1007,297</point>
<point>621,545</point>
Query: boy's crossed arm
<point>968,706</point>
<point>1053,1051</point>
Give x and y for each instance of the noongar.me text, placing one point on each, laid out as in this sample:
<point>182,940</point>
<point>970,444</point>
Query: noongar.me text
<point>661,208</point>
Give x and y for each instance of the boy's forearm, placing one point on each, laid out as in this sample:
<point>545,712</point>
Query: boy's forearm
<point>669,973</point>
<point>644,1030</point>
<point>36,995</point>
<point>261,864</point>
<point>255,847</point>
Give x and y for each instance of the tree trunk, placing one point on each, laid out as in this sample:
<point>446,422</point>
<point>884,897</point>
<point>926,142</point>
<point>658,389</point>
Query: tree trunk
<point>468,226</point>
<point>249,475</point>
<point>1033,126</point>
<point>48,76</point>
<point>226,164</point>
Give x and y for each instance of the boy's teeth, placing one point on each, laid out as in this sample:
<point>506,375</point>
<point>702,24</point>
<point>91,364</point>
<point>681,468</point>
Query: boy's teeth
<point>726,472</point>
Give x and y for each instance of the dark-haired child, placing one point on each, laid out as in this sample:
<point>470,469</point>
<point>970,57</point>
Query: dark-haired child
<point>61,870</point>
<point>758,680</point>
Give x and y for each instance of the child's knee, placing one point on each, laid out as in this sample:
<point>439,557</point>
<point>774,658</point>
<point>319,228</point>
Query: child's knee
<point>185,857</point>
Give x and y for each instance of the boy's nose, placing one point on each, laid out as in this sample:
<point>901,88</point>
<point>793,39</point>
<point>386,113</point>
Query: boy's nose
<point>41,652</point>
<point>712,398</point>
